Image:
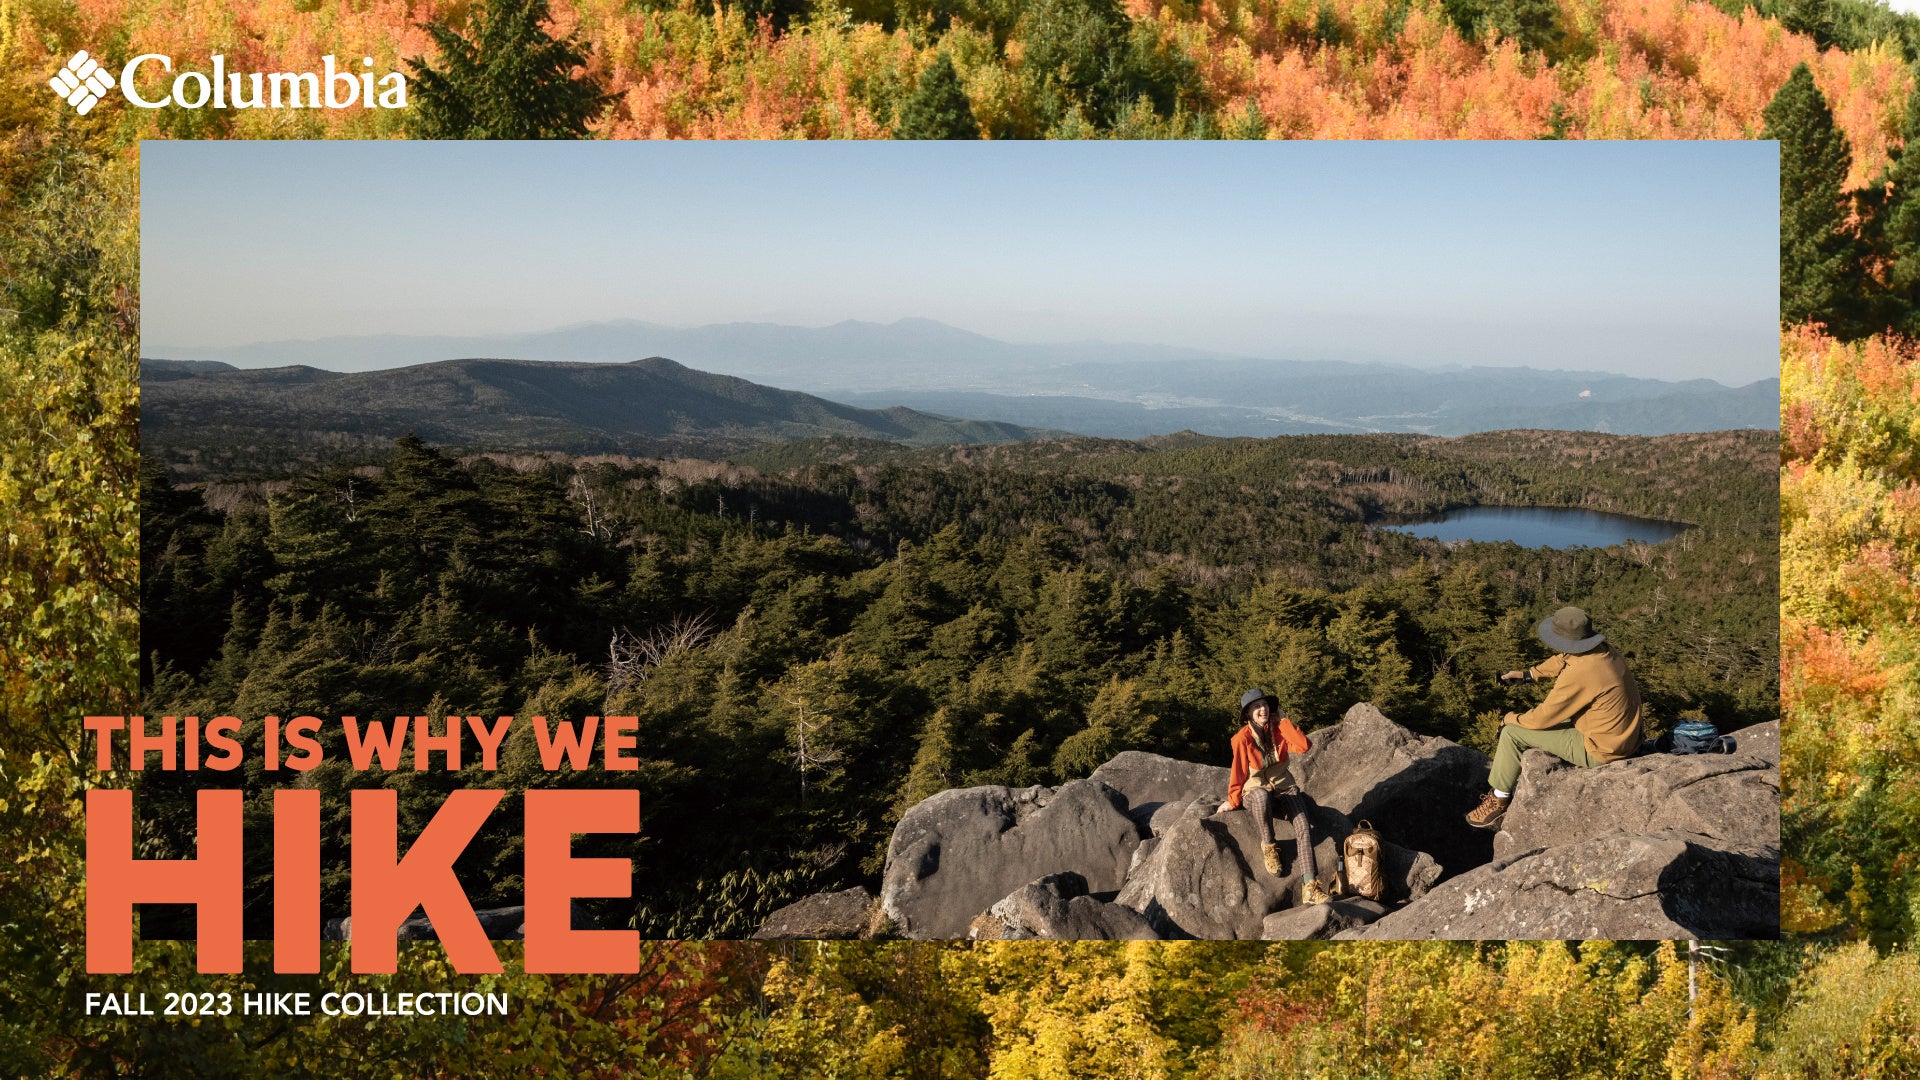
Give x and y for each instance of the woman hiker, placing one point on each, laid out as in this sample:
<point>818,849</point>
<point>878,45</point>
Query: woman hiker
<point>1592,715</point>
<point>1259,777</point>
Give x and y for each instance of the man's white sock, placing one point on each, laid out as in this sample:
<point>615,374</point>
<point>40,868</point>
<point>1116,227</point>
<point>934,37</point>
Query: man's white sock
<point>1498,794</point>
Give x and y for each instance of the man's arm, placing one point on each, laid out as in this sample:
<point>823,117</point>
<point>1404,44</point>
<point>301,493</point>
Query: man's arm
<point>1550,667</point>
<point>1563,703</point>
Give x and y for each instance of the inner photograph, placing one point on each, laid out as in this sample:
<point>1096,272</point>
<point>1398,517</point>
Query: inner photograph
<point>1091,541</point>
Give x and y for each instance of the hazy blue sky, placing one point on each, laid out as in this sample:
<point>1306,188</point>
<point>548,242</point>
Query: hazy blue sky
<point>1646,258</point>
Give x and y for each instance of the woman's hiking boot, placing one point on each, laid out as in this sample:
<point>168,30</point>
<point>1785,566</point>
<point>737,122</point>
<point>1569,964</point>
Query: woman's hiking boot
<point>1488,814</point>
<point>1270,854</point>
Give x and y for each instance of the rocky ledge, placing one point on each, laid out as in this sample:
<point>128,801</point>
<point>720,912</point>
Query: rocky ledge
<point>1657,846</point>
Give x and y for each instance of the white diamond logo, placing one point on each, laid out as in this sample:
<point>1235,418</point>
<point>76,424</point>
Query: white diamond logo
<point>82,83</point>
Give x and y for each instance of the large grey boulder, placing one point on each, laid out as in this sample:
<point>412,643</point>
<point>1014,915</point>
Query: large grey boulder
<point>1058,907</point>
<point>1733,799</point>
<point>959,852</point>
<point>1149,782</point>
<point>821,917</point>
<point>1204,878</point>
<point>1198,882</point>
<point>1670,884</point>
<point>1416,789</point>
<point>1656,846</point>
<point>1320,921</point>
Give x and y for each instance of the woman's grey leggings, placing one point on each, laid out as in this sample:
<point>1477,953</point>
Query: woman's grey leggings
<point>1259,802</point>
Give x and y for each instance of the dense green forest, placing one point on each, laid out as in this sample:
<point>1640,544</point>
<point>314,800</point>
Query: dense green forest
<point>816,638</point>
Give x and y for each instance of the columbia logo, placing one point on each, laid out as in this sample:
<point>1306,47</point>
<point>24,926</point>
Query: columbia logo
<point>82,83</point>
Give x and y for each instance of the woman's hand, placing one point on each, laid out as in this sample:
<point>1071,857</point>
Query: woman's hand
<point>1224,807</point>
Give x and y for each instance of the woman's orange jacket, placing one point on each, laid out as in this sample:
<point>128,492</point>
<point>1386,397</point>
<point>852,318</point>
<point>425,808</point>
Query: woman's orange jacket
<point>1247,759</point>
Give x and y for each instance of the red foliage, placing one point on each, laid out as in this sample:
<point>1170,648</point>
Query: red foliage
<point>1815,659</point>
<point>1800,435</point>
<point>667,1010</point>
<point>1266,1008</point>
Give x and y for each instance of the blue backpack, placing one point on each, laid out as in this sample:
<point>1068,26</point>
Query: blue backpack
<point>1695,737</point>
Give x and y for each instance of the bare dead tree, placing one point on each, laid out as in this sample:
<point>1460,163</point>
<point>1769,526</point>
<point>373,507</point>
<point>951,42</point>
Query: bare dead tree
<point>596,521</point>
<point>347,497</point>
<point>812,751</point>
<point>630,656</point>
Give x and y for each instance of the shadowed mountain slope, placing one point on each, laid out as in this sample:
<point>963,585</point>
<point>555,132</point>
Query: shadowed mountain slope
<point>647,406</point>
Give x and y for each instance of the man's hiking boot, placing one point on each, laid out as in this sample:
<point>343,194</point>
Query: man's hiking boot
<point>1488,814</point>
<point>1270,854</point>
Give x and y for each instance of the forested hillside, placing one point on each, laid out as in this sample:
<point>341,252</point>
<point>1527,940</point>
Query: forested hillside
<point>1850,296</point>
<point>214,420</point>
<point>1013,614</point>
<point>1060,68</point>
<point>69,532</point>
<point>1848,497</point>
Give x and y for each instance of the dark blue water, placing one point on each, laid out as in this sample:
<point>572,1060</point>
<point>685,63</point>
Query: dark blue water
<point>1540,527</point>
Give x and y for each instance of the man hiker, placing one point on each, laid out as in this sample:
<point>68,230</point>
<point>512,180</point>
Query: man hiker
<point>1592,715</point>
<point>1259,776</point>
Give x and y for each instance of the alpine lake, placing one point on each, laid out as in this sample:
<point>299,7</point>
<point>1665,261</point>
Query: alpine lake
<point>1539,527</point>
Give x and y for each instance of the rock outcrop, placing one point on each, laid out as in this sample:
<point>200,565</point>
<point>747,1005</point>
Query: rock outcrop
<point>1416,789</point>
<point>960,852</point>
<point>1149,782</point>
<point>821,917</point>
<point>1203,876</point>
<point>1655,846</point>
<point>1320,920</point>
<point>1057,906</point>
<point>1149,846</point>
<point>1621,886</point>
<point>1658,846</point>
<point>1732,799</point>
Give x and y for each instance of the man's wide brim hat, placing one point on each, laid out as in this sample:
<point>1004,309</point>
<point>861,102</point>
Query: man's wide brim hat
<point>1569,631</point>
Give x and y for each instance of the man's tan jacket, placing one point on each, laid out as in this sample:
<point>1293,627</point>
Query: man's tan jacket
<point>1596,693</point>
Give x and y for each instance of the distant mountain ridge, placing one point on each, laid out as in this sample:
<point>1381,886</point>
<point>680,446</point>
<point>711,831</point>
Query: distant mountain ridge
<point>1090,388</point>
<point>1428,403</point>
<point>189,409</point>
<point>846,354</point>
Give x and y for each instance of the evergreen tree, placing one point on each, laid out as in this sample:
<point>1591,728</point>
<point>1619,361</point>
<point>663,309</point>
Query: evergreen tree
<point>1090,64</point>
<point>938,107</point>
<point>1326,25</point>
<point>1813,18</point>
<point>1821,279</point>
<point>1898,231</point>
<point>1119,719</point>
<point>935,766</point>
<point>1532,23</point>
<point>510,80</point>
